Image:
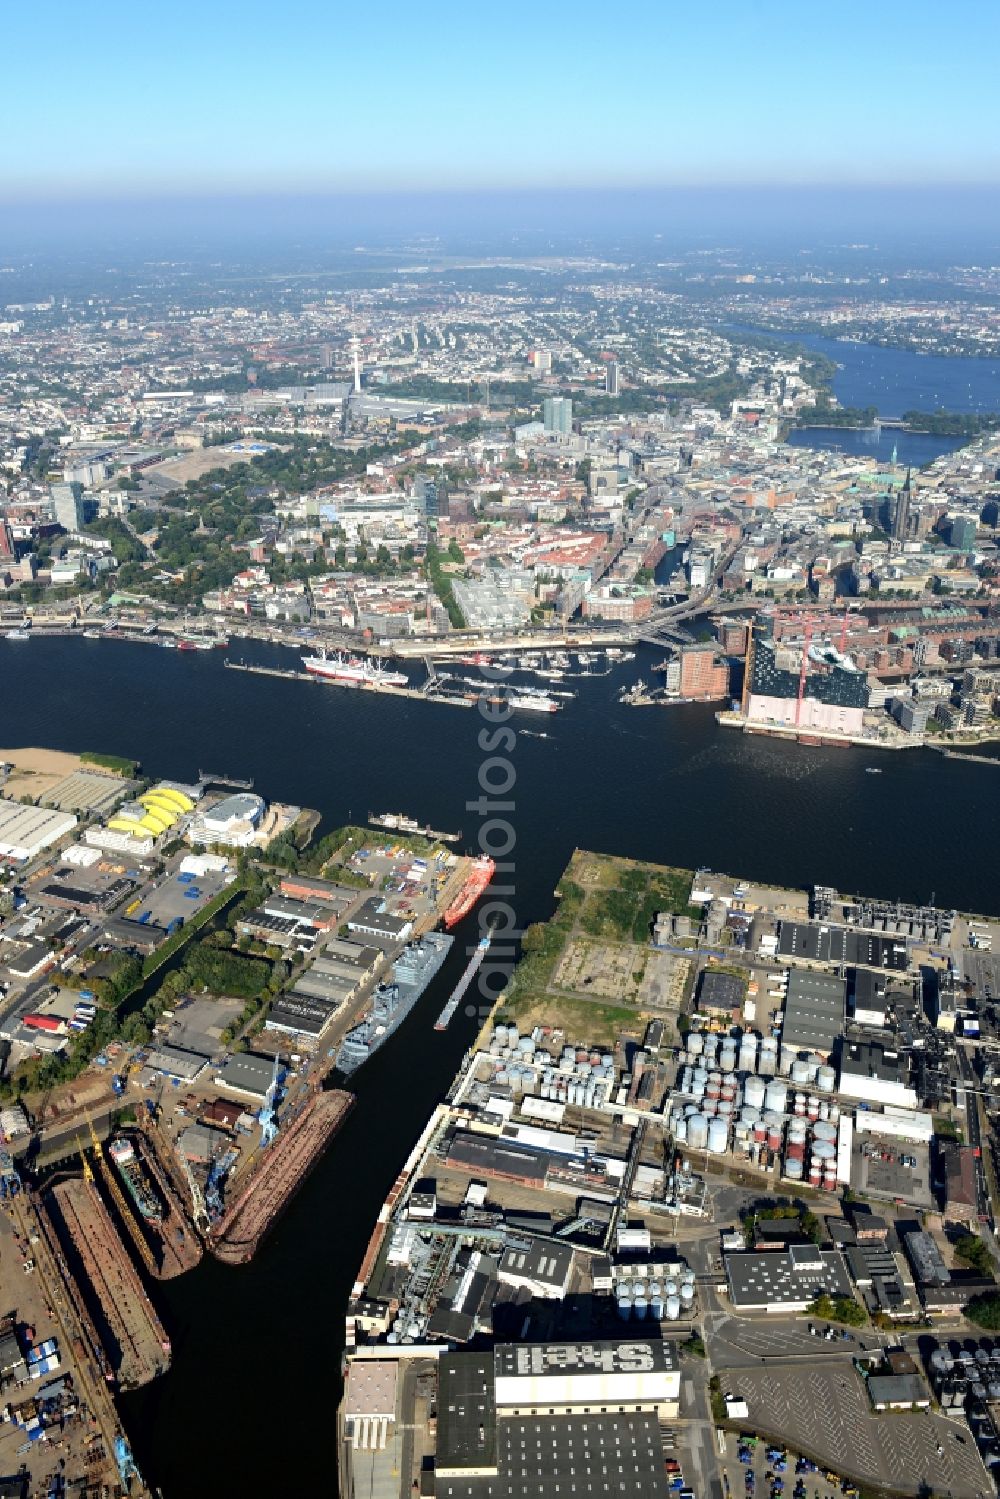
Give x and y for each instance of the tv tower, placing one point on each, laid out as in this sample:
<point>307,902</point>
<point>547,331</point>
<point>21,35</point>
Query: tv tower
<point>356,351</point>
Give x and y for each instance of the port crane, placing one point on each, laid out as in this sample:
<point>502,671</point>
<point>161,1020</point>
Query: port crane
<point>198,1208</point>
<point>267,1113</point>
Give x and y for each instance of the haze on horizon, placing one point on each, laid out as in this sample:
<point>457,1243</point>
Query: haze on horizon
<point>248,118</point>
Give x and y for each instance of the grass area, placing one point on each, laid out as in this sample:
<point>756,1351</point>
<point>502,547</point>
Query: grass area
<point>117,763</point>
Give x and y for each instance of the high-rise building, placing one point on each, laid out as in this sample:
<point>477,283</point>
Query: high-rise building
<point>67,501</point>
<point>611,378</point>
<point>6,538</point>
<point>557,415</point>
<point>542,361</point>
<point>962,532</point>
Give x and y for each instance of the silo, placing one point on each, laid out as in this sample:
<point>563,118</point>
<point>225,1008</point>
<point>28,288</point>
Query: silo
<point>788,1056</point>
<point>640,1306</point>
<point>826,1079</point>
<point>673,1308</point>
<point>698,1131</point>
<point>754,1092</point>
<point>687,1295</point>
<point>727,1056</point>
<point>801,1072</point>
<point>718,1135</point>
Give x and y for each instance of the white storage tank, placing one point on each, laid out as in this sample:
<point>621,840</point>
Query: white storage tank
<point>776,1096</point>
<point>718,1135</point>
<point>793,1168</point>
<point>695,1043</point>
<point>748,1052</point>
<point>801,1072</point>
<point>639,1305</point>
<point>826,1079</point>
<point>673,1308</point>
<point>697,1132</point>
<point>788,1056</point>
<point>755,1092</point>
<point>687,1293</point>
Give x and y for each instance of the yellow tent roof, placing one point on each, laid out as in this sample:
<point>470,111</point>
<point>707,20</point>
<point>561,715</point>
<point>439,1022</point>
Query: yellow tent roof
<point>125,825</point>
<point>154,823</point>
<point>155,803</point>
<point>177,799</point>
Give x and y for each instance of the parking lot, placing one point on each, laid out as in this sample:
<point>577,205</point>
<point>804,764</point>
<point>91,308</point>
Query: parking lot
<point>877,1170</point>
<point>197,1024</point>
<point>738,1341</point>
<point>174,897</point>
<point>826,1414</point>
<point>734,1475</point>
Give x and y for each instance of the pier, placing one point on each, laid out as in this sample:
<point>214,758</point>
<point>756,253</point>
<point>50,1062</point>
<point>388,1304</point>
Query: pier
<point>447,1015</point>
<point>430,692</point>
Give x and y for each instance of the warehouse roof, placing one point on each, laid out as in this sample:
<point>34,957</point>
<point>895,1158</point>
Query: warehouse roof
<point>772,1281</point>
<point>466,1429</point>
<point>815,1006</point>
<point>246,1072</point>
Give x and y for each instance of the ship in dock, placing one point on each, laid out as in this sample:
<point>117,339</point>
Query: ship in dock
<point>392,1002</point>
<point>398,822</point>
<point>483,870</point>
<point>353,671</point>
<point>137,1183</point>
<point>475,963</point>
<point>277,1174</point>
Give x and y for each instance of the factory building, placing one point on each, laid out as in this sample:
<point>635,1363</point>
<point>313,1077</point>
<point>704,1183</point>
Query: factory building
<point>542,1268</point>
<point>815,1006</point>
<point>25,831</point>
<point>785,1281</point>
<point>869,1072</point>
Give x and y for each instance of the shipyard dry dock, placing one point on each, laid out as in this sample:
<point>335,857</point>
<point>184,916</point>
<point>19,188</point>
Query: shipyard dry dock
<point>137,1347</point>
<point>277,1175</point>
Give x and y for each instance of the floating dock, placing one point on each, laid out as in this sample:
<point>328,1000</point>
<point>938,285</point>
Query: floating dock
<point>175,1245</point>
<point>475,963</point>
<point>277,1175</point>
<point>134,1339</point>
<point>425,694</point>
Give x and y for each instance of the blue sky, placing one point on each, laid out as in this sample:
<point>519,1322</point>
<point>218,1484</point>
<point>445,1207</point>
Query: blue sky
<point>300,96</point>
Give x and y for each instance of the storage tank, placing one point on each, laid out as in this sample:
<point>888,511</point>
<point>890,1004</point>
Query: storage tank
<point>767,1061</point>
<point>695,1043</point>
<point>729,1089</point>
<point>656,1308</point>
<point>826,1079</point>
<point>797,1129</point>
<point>638,1288</point>
<point>726,1108</point>
<point>776,1096</point>
<point>788,1055</point>
<point>687,1294</point>
<point>799,1106</point>
<point>710,1047</point>
<point>727,1057</point>
<point>793,1168</point>
<point>713,1088</point>
<point>718,1135</point>
<point>748,1052</point>
<point>754,1092</point>
<point>640,1307</point>
<point>500,1035</point>
<point>670,1286</point>
<point>673,1308</point>
<point>697,1132</point>
<point>800,1072</point>
<point>823,1151</point>
<point>699,1082</point>
<point>625,1307</point>
<point>526,1046</point>
<point>775,1130</point>
<point>815,1173</point>
<point>759,1130</point>
<point>812,1108</point>
<point>709,1107</point>
<point>824,1131</point>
